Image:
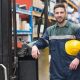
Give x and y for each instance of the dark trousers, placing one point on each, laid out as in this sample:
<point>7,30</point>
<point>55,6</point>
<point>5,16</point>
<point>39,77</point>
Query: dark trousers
<point>67,75</point>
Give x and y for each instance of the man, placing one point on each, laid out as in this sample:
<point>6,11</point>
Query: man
<point>62,65</point>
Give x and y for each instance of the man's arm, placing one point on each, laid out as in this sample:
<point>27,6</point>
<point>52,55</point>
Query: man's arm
<point>78,38</point>
<point>74,64</point>
<point>40,44</point>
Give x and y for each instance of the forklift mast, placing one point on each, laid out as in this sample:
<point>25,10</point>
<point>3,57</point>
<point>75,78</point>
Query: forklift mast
<point>5,38</point>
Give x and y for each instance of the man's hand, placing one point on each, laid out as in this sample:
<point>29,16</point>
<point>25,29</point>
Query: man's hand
<point>74,64</point>
<point>35,52</point>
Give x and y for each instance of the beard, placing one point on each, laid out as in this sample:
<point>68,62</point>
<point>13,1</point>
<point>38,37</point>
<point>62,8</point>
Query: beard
<point>60,20</point>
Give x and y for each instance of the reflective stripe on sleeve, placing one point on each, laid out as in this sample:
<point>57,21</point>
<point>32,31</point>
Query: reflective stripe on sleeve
<point>62,37</point>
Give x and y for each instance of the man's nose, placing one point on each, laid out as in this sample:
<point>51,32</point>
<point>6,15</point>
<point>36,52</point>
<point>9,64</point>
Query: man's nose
<point>59,14</point>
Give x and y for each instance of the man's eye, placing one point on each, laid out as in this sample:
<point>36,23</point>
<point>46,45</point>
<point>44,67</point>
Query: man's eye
<point>56,13</point>
<point>61,12</point>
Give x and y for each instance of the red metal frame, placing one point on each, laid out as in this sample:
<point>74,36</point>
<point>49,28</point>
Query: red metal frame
<point>27,2</point>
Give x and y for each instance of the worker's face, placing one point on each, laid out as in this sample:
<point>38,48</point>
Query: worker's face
<point>60,15</point>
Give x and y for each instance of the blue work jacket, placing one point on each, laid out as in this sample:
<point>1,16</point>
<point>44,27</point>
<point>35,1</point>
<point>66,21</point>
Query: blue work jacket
<point>55,37</point>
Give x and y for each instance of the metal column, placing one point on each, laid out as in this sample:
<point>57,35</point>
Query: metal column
<point>5,37</point>
<point>46,14</point>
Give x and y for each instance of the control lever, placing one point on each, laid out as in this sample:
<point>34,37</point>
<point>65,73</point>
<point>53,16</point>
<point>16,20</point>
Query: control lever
<point>24,51</point>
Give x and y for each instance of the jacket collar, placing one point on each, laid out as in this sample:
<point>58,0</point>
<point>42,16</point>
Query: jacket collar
<point>66,25</point>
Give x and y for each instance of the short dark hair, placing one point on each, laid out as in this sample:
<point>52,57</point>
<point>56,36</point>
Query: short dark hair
<point>59,5</point>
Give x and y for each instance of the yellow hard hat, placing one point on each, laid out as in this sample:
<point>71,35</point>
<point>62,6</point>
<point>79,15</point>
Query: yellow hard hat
<point>72,47</point>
